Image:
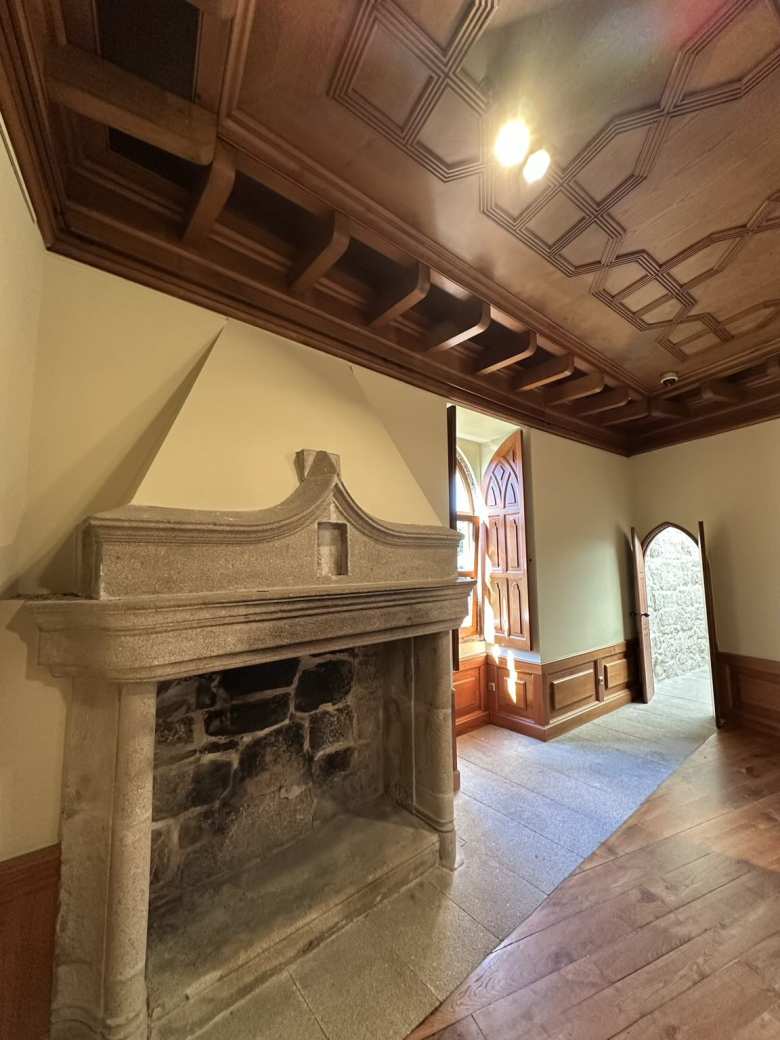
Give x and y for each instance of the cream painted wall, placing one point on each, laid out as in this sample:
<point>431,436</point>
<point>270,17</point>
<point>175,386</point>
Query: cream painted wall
<point>581,515</point>
<point>115,363</point>
<point>32,705</point>
<point>260,398</point>
<point>21,274</point>
<point>732,483</point>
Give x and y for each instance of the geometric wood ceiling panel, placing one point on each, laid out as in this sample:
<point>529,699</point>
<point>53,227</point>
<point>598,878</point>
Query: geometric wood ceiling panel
<point>574,219</point>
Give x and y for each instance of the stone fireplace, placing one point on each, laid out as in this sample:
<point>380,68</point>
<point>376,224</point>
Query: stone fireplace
<point>258,747</point>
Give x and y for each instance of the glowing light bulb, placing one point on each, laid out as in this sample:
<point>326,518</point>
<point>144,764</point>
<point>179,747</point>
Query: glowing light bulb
<point>536,166</point>
<point>512,143</point>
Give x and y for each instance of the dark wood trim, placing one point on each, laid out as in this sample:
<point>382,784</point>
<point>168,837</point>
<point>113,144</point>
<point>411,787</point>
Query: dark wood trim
<point>476,715</point>
<point>29,888</point>
<point>752,691</point>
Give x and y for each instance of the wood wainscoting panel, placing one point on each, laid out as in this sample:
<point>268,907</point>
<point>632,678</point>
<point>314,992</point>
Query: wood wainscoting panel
<point>573,687</point>
<point>753,690</point>
<point>515,694</point>
<point>470,683</point>
<point>29,887</point>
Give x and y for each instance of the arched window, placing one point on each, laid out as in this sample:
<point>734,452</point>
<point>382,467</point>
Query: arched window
<point>467,516</point>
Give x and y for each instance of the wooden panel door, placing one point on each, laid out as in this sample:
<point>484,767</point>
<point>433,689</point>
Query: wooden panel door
<point>507,582</point>
<point>718,692</point>
<point>642,615</point>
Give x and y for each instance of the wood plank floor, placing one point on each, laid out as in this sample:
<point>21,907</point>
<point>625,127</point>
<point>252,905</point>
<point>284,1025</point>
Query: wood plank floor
<point>670,930</point>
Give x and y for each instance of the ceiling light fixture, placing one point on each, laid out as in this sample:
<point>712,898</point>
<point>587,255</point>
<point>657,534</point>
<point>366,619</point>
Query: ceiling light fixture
<point>512,143</point>
<point>536,166</point>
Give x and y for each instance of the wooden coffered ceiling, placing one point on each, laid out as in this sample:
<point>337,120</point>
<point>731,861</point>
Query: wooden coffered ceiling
<point>324,170</point>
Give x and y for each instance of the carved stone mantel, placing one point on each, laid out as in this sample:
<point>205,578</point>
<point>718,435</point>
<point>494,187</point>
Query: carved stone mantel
<point>169,593</point>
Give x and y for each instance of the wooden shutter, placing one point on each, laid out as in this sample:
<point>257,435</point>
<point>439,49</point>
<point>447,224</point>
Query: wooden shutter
<point>507,584</point>
<point>642,615</point>
<point>719,694</point>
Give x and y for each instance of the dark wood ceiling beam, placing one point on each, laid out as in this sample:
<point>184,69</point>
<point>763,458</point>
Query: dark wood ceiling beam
<point>209,203</point>
<point>719,391</point>
<point>223,9</point>
<point>92,87</point>
<point>605,401</point>
<point>400,298</point>
<point>548,372</point>
<point>522,346</point>
<point>584,386</point>
<point>315,262</point>
<point>450,333</point>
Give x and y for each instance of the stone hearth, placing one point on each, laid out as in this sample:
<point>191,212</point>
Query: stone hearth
<point>258,747</point>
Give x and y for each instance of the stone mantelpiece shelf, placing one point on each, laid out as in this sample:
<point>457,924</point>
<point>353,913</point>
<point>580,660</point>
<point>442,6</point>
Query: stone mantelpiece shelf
<point>159,638</point>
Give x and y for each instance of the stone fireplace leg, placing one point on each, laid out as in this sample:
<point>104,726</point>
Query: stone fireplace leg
<point>433,795</point>
<point>100,958</point>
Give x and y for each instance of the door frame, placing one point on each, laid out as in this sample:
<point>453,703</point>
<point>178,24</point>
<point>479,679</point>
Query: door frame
<point>648,682</point>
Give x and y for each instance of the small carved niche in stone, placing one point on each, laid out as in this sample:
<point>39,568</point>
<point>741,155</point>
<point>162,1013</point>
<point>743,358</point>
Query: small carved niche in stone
<point>332,557</point>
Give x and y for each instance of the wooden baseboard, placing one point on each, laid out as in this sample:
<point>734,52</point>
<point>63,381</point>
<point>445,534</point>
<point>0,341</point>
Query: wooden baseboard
<point>752,689</point>
<point>29,887</point>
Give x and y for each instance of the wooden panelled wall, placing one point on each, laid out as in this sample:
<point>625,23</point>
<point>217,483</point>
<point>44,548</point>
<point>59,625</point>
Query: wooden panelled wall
<point>28,909</point>
<point>544,700</point>
<point>752,690</point>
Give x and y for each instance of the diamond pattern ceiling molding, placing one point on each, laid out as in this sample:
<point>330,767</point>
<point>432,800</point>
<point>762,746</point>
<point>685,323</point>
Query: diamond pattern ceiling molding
<point>444,123</point>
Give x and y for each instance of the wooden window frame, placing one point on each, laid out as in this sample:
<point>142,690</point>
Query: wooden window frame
<point>473,626</point>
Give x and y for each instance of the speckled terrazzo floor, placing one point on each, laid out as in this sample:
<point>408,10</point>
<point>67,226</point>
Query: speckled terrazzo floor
<point>528,813</point>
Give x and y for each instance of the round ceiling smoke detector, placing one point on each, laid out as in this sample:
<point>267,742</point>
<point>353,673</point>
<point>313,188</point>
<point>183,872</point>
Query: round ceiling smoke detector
<point>669,378</point>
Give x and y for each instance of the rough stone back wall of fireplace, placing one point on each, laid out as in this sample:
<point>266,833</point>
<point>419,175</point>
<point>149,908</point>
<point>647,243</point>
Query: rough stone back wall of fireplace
<point>251,759</point>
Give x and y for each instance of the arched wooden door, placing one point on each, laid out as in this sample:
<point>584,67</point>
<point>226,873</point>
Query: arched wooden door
<point>507,580</point>
<point>642,615</point>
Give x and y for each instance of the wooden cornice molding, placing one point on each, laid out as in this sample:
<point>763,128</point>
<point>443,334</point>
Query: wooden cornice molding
<point>107,94</point>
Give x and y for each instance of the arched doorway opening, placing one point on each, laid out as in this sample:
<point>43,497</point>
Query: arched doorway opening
<point>675,618</point>
<point>679,636</point>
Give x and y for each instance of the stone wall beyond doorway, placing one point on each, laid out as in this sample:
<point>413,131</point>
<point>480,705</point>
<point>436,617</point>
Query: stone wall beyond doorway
<point>675,589</point>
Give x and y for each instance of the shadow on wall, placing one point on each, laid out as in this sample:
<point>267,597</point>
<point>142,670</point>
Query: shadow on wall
<point>50,559</point>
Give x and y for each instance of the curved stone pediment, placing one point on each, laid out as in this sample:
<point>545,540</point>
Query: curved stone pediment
<point>319,535</point>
